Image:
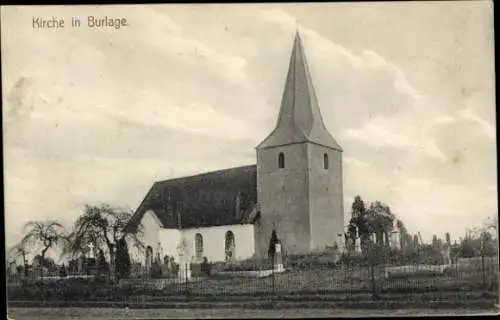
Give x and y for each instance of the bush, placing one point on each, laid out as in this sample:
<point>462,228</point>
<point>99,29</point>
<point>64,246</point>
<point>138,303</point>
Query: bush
<point>201,269</point>
<point>206,268</point>
<point>156,271</point>
<point>122,259</point>
<point>135,270</point>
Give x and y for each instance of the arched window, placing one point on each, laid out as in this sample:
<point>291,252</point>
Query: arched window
<point>230,246</point>
<point>281,160</point>
<point>198,243</point>
<point>325,161</point>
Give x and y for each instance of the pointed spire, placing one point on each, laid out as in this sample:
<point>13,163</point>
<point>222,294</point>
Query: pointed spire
<point>300,118</point>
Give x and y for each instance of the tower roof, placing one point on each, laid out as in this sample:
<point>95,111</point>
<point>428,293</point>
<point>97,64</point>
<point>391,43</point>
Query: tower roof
<point>299,119</point>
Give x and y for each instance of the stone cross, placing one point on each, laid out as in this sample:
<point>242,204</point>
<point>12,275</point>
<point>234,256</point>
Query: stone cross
<point>184,263</point>
<point>91,247</point>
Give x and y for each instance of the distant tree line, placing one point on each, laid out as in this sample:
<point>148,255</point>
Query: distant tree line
<point>377,221</point>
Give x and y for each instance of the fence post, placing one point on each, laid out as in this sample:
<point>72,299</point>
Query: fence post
<point>272,273</point>
<point>372,277</point>
<point>186,274</point>
<point>483,268</point>
<point>372,263</point>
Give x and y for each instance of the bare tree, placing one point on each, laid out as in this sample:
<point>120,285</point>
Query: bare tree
<point>48,234</point>
<point>104,226</point>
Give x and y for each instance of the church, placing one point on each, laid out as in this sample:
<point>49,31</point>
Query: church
<point>295,189</point>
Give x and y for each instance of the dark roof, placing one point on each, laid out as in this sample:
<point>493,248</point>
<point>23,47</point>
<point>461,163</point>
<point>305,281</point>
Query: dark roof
<point>203,200</point>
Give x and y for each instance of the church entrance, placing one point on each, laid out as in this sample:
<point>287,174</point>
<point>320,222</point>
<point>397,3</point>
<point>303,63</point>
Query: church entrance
<point>230,247</point>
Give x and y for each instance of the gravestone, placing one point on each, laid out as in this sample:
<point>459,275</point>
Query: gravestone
<point>446,252</point>
<point>166,266</point>
<point>12,267</point>
<point>91,251</point>
<point>357,246</point>
<point>336,254</point>
<point>395,240</point>
<point>173,267</point>
<point>278,258</point>
<point>159,254</point>
<point>63,272</point>
<point>184,267</point>
<point>81,264</point>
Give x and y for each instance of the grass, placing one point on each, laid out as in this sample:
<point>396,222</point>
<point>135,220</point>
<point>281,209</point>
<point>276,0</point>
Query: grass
<point>323,282</point>
<point>103,313</point>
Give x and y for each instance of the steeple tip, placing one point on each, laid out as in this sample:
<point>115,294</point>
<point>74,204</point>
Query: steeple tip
<point>299,118</point>
<point>297,29</point>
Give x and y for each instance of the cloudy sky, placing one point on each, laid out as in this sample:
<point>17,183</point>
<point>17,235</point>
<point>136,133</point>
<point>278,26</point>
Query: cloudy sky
<point>97,115</point>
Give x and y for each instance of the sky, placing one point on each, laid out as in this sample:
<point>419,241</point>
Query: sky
<point>95,115</point>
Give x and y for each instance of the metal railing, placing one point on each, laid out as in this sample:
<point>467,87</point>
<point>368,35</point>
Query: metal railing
<point>342,281</point>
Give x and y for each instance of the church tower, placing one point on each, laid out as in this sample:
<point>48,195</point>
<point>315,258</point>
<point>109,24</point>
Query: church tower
<point>299,171</point>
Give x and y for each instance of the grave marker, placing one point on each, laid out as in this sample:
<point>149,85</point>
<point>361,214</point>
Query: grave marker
<point>91,252</point>
<point>184,262</point>
<point>278,258</point>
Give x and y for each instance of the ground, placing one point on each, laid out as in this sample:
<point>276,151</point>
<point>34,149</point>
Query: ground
<point>84,313</point>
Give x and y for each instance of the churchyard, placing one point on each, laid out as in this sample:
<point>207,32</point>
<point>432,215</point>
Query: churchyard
<point>367,270</point>
<point>311,278</point>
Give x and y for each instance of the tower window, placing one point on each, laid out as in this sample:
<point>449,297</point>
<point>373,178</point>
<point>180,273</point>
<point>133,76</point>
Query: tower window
<point>325,161</point>
<point>281,160</point>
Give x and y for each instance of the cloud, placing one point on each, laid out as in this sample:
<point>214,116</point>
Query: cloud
<point>98,115</point>
<point>379,137</point>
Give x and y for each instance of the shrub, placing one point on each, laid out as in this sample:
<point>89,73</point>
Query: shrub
<point>123,263</point>
<point>201,269</point>
<point>62,271</point>
<point>135,270</point>
<point>206,267</point>
<point>156,271</point>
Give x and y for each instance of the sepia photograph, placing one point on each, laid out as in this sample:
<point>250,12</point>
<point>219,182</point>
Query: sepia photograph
<point>166,161</point>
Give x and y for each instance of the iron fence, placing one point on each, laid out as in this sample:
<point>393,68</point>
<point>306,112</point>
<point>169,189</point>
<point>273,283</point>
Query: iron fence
<point>341,282</point>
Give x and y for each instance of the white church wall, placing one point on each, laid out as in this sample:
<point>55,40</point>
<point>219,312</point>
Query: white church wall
<point>150,236</point>
<point>214,241</point>
<point>169,240</point>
